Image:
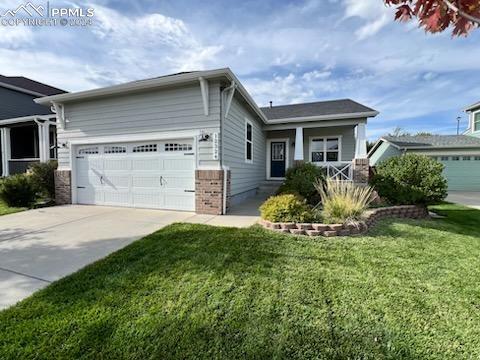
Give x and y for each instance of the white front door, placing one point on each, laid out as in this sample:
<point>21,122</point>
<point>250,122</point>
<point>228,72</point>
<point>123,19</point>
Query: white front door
<point>158,175</point>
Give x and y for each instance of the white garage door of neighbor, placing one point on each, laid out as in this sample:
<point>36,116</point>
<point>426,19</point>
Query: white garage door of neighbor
<point>158,175</point>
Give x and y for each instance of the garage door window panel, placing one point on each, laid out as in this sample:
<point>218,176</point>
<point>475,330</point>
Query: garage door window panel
<point>88,151</point>
<point>177,147</point>
<point>149,148</point>
<point>115,150</point>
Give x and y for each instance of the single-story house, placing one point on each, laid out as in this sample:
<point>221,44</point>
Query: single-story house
<point>195,141</point>
<point>27,129</point>
<point>459,153</point>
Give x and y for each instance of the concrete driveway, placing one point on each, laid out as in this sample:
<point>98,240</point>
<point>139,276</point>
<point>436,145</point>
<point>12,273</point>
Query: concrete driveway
<point>43,245</point>
<point>467,198</point>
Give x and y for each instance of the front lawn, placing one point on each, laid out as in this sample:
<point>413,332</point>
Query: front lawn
<point>5,209</point>
<point>408,290</point>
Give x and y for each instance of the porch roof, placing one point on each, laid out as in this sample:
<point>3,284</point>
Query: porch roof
<point>320,110</point>
<point>25,119</point>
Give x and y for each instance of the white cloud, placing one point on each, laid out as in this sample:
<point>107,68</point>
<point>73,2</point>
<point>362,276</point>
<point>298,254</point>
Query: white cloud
<point>152,38</point>
<point>373,12</point>
<point>52,69</point>
<point>15,36</point>
<point>316,74</point>
<point>281,90</point>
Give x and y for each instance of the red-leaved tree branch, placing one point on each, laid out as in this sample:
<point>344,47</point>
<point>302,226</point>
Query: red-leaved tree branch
<point>437,15</point>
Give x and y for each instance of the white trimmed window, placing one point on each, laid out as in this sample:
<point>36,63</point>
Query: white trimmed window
<point>325,149</point>
<point>476,121</point>
<point>248,142</point>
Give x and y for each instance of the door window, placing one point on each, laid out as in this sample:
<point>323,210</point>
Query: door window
<point>278,151</point>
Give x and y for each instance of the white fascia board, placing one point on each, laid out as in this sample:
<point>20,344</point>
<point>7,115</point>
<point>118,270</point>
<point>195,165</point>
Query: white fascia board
<point>472,107</point>
<point>394,145</point>
<point>312,124</point>
<point>375,147</point>
<point>440,148</point>
<point>366,114</point>
<point>20,89</point>
<point>26,119</point>
<point>130,87</point>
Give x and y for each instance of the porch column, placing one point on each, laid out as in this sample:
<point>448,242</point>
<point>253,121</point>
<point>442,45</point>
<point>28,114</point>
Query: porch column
<point>5,139</point>
<point>298,144</point>
<point>46,131</point>
<point>43,141</point>
<point>361,142</point>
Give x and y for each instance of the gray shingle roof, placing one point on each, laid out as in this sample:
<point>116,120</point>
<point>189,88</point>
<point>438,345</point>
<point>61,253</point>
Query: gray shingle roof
<point>434,141</point>
<point>31,85</point>
<point>320,108</point>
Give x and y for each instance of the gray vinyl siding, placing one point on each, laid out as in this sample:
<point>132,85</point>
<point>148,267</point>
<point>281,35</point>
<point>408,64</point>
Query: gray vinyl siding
<point>15,104</point>
<point>384,151</point>
<point>165,110</point>
<point>244,176</point>
<point>347,134</point>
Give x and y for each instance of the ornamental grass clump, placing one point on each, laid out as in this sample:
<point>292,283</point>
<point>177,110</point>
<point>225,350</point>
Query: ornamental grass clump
<point>343,201</point>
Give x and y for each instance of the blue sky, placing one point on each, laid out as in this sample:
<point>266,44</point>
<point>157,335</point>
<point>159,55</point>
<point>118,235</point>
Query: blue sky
<point>284,51</point>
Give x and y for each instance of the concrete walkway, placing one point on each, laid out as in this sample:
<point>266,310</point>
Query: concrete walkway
<point>467,198</point>
<point>43,245</point>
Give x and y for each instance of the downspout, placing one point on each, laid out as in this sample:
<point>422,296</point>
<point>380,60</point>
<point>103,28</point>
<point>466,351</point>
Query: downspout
<point>224,168</point>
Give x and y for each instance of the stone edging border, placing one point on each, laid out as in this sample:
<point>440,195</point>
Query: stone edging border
<point>370,219</point>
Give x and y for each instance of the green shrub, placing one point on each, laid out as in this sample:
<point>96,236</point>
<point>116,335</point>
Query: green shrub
<point>43,177</point>
<point>343,201</point>
<point>18,191</point>
<point>285,208</point>
<point>410,179</point>
<point>300,180</point>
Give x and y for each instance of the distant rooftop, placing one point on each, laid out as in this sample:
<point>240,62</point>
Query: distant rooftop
<point>30,85</point>
<point>319,108</point>
<point>434,141</point>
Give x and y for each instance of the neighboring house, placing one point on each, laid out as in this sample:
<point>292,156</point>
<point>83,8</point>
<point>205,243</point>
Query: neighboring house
<point>473,120</point>
<point>195,141</point>
<point>27,129</point>
<point>459,153</point>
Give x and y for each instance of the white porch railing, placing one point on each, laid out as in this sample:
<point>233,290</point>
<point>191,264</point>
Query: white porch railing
<point>339,171</point>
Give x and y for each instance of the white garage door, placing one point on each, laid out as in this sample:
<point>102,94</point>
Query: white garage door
<point>158,175</point>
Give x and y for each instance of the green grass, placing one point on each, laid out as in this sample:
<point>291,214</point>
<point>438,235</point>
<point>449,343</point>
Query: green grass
<point>408,290</point>
<point>5,209</point>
